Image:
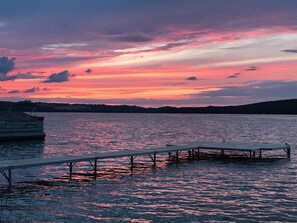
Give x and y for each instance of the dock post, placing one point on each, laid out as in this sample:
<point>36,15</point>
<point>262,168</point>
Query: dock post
<point>254,154</point>
<point>289,152</point>
<point>189,154</point>
<point>169,155</point>
<point>223,153</point>
<point>176,156</point>
<point>70,170</point>
<point>251,157</point>
<point>260,154</point>
<point>198,154</point>
<point>95,169</point>
<point>70,165</point>
<point>9,180</point>
<point>132,161</point>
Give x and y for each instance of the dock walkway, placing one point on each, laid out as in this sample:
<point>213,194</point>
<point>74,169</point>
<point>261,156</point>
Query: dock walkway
<point>253,151</point>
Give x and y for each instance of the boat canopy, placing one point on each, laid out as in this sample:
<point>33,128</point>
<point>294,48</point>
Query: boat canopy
<point>17,116</point>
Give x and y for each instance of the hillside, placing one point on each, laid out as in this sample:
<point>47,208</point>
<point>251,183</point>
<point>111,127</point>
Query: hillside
<point>288,106</point>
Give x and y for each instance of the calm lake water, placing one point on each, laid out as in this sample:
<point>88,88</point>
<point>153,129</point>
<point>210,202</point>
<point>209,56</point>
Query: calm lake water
<point>208,190</point>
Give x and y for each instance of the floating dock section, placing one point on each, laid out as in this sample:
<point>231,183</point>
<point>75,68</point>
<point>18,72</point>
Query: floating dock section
<point>251,150</point>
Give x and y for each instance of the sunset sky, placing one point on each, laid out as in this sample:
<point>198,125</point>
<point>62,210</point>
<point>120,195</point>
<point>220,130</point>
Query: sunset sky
<point>148,52</point>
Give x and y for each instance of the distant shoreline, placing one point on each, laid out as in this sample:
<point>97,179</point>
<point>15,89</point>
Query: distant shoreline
<point>282,107</point>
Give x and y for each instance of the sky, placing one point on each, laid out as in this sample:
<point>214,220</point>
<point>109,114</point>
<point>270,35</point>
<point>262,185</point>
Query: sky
<point>148,52</point>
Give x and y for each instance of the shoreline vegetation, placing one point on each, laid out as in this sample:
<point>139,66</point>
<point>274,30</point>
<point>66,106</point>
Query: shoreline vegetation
<point>288,106</point>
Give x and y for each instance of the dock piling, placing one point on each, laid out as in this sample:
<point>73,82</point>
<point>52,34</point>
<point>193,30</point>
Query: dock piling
<point>9,180</point>
<point>70,165</point>
<point>132,161</point>
<point>176,156</point>
<point>94,167</point>
<point>288,150</point>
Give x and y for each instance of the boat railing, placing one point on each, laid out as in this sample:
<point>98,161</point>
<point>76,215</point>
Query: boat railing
<point>28,124</point>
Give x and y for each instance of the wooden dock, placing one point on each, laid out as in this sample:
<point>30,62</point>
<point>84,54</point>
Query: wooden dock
<point>251,150</point>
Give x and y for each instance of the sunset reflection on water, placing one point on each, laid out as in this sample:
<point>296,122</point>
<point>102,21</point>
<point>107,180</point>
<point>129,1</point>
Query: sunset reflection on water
<point>188,191</point>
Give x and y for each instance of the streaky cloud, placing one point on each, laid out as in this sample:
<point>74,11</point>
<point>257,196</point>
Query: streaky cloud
<point>252,68</point>
<point>263,90</point>
<point>134,38</point>
<point>14,92</point>
<point>233,76</point>
<point>175,84</point>
<point>25,76</point>
<point>290,51</point>
<point>4,77</point>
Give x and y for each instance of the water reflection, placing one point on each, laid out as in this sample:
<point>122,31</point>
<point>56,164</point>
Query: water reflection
<point>21,149</point>
<point>189,191</point>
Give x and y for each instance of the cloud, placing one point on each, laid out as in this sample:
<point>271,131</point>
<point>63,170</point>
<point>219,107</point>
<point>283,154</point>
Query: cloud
<point>175,84</point>
<point>146,20</point>
<point>88,70</point>
<point>26,76</point>
<point>290,51</point>
<point>6,65</point>
<point>4,77</point>
<point>252,68</point>
<point>31,90</point>
<point>63,45</point>
<point>59,77</point>
<point>263,90</point>
<point>192,78</point>
<point>13,92</point>
<point>61,60</point>
<point>172,45</point>
<point>134,38</point>
<point>233,75</point>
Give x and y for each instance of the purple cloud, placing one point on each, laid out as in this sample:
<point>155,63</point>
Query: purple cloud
<point>26,76</point>
<point>133,22</point>
<point>31,90</point>
<point>290,51</point>
<point>134,38</point>
<point>6,65</point>
<point>59,77</point>
<point>252,68</point>
<point>233,75</point>
<point>192,79</point>
<point>88,70</point>
<point>263,90</point>
<point>4,77</point>
<point>13,92</point>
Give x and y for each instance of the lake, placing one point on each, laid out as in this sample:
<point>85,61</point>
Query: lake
<point>207,190</point>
